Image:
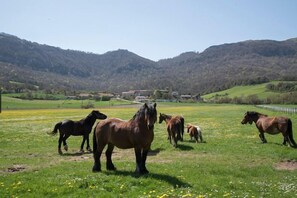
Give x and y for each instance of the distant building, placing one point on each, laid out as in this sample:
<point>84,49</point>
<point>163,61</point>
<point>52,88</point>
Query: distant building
<point>141,99</point>
<point>185,97</point>
<point>134,93</point>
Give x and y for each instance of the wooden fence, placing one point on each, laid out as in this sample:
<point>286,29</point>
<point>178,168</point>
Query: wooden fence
<point>276,108</point>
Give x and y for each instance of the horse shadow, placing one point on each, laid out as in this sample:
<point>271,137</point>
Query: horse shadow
<point>154,152</point>
<point>184,147</point>
<point>77,153</point>
<point>173,181</point>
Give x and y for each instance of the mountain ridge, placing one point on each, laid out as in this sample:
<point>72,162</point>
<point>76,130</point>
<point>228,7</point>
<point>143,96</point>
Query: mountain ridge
<point>216,68</point>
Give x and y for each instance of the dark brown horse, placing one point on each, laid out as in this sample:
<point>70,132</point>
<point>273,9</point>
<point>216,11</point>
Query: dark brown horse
<point>271,125</point>
<point>194,131</point>
<point>174,127</point>
<point>137,133</point>
<point>77,128</point>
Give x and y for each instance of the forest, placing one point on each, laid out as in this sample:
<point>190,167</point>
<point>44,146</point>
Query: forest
<point>27,65</point>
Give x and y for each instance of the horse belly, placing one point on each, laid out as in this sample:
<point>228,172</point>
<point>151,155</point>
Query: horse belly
<point>273,130</point>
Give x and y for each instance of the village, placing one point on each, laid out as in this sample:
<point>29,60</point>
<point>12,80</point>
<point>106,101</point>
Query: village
<point>140,96</point>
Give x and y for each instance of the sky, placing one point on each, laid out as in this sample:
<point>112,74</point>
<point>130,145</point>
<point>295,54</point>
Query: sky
<point>153,29</point>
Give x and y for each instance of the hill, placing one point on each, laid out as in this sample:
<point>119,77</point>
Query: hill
<point>34,66</point>
<point>272,92</point>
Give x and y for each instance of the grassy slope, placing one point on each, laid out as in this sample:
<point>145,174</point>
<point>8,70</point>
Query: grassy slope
<point>15,103</point>
<point>232,162</point>
<point>259,90</point>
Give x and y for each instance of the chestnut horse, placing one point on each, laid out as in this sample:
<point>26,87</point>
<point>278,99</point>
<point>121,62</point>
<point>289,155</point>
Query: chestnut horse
<point>137,133</point>
<point>194,131</point>
<point>174,127</point>
<point>77,128</point>
<point>271,125</point>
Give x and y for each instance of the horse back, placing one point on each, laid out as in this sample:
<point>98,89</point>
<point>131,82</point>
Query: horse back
<point>273,125</point>
<point>122,134</point>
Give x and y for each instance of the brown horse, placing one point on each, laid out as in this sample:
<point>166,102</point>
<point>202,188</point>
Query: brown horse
<point>77,128</point>
<point>271,125</point>
<point>174,127</point>
<point>137,133</point>
<point>194,131</point>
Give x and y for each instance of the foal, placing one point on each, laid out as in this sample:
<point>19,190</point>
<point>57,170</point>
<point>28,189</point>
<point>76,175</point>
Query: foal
<point>195,131</point>
<point>174,126</point>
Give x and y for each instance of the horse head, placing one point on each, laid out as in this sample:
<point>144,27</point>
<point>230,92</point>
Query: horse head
<point>150,115</point>
<point>247,118</point>
<point>161,118</point>
<point>98,115</point>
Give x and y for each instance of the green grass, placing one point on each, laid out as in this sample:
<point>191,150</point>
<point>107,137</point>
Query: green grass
<point>232,162</point>
<point>15,103</point>
<point>239,91</point>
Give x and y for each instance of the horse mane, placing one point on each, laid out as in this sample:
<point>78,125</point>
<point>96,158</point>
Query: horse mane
<point>252,113</point>
<point>166,116</point>
<point>139,113</point>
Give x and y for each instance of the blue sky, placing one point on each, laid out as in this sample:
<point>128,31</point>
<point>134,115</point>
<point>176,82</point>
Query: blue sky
<point>154,29</point>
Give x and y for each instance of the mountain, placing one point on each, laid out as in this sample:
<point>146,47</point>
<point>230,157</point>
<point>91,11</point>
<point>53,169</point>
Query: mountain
<point>31,65</point>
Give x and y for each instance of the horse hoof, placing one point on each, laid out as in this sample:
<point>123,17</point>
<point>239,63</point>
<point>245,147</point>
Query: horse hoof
<point>90,150</point>
<point>81,151</point>
<point>145,171</point>
<point>111,168</point>
<point>60,152</point>
<point>96,169</point>
<point>66,147</point>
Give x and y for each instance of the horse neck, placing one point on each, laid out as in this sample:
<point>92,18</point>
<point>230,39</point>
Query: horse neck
<point>256,117</point>
<point>90,119</point>
<point>167,118</point>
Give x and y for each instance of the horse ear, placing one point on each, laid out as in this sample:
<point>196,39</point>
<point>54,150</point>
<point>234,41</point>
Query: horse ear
<point>145,105</point>
<point>155,104</point>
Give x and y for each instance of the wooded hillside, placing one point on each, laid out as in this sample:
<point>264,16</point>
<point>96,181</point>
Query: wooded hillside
<point>31,65</point>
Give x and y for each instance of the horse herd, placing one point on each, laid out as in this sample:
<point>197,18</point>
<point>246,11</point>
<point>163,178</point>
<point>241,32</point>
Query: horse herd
<point>138,133</point>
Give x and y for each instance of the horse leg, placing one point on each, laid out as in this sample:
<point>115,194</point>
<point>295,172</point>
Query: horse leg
<point>200,136</point>
<point>88,144</point>
<point>64,141</point>
<point>169,135</point>
<point>97,154</point>
<point>59,144</point>
<point>196,138</point>
<point>108,153</point>
<point>143,169</point>
<point>82,144</point>
<point>174,139</point>
<point>138,157</point>
<point>285,140</point>
<point>262,137</point>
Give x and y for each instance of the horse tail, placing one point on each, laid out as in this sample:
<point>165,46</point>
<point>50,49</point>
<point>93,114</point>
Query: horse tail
<point>94,139</point>
<point>57,126</point>
<point>178,132</point>
<point>182,126</point>
<point>290,134</point>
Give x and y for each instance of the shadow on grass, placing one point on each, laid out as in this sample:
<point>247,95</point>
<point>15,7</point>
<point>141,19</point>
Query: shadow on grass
<point>175,182</point>
<point>184,147</point>
<point>76,154</point>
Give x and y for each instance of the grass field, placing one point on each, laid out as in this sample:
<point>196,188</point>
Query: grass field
<point>15,103</point>
<point>238,91</point>
<point>232,162</point>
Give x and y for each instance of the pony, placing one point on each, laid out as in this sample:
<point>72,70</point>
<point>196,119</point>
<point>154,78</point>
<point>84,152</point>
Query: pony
<point>77,128</point>
<point>137,133</point>
<point>174,127</point>
<point>271,125</point>
<point>195,131</point>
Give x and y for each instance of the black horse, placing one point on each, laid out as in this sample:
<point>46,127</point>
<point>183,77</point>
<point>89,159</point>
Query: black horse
<point>77,128</point>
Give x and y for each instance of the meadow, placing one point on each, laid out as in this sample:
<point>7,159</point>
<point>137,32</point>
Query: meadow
<point>245,90</point>
<point>231,163</point>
